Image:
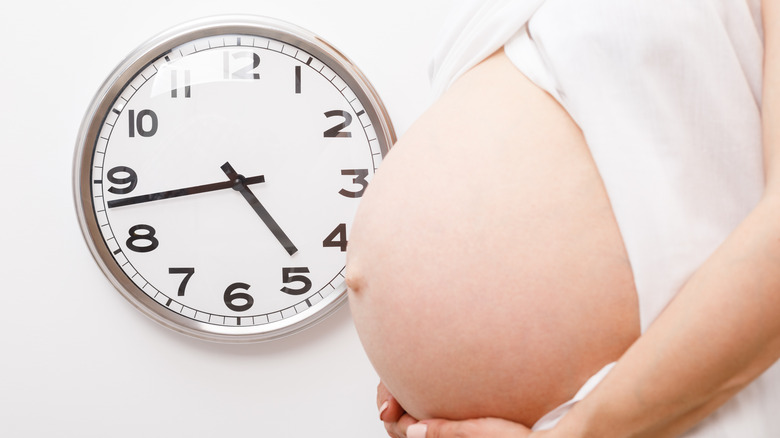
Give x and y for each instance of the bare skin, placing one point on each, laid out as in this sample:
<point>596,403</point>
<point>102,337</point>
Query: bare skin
<point>487,274</point>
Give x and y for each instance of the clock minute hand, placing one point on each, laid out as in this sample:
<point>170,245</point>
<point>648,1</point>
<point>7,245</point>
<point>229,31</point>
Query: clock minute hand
<point>240,183</point>
<point>180,192</point>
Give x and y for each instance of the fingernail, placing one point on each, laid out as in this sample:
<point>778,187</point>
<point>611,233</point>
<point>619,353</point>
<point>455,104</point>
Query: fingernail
<point>383,408</point>
<point>417,430</point>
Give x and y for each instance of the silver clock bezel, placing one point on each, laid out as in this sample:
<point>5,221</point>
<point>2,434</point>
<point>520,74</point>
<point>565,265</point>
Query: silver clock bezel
<point>101,105</point>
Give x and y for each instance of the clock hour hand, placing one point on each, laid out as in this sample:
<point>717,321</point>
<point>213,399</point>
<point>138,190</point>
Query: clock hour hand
<point>180,192</point>
<point>240,183</point>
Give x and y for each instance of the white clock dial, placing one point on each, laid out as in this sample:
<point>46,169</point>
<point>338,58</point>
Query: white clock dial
<point>219,172</point>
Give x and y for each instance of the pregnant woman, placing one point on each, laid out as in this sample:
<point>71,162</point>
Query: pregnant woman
<point>586,206</point>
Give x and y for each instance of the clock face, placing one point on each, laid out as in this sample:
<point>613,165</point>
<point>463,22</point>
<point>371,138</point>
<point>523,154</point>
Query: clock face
<point>219,175</point>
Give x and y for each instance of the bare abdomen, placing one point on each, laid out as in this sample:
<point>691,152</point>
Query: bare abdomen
<point>488,276</point>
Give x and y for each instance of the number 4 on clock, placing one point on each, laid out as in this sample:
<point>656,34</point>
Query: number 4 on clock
<point>337,238</point>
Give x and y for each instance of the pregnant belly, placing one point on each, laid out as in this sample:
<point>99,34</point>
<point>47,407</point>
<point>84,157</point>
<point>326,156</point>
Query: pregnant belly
<point>487,274</point>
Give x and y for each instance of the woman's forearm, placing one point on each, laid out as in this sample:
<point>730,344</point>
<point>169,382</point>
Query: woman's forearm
<point>719,333</point>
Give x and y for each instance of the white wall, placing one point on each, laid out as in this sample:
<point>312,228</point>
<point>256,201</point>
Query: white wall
<point>76,359</point>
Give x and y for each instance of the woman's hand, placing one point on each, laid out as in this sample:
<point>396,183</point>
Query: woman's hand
<point>399,424</point>
<point>478,428</point>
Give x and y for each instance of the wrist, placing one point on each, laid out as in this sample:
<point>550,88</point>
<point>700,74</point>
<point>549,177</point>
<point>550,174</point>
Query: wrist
<point>579,423</point>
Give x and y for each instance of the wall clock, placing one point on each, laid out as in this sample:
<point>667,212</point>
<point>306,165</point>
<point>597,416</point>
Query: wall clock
<point>217,172</point>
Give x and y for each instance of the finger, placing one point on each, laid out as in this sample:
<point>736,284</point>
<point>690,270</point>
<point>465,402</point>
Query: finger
<point>389,408</point>
<point>382,394</point>
<point>398,428</point>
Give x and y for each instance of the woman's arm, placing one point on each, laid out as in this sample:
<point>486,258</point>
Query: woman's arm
<point>719,333</point>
